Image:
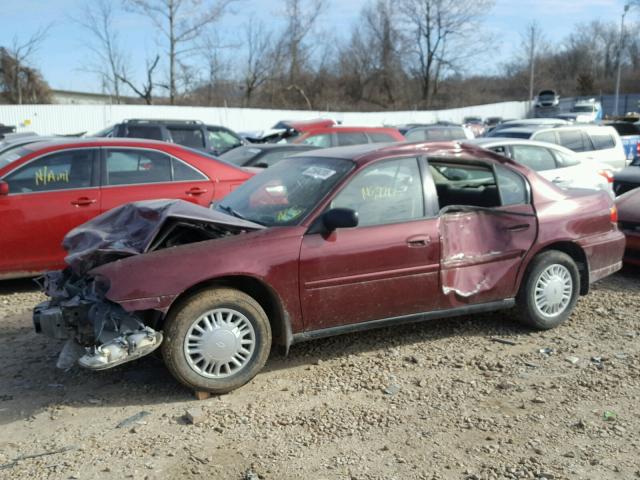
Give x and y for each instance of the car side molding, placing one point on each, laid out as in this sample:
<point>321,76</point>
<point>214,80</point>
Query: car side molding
<point>405,319</point>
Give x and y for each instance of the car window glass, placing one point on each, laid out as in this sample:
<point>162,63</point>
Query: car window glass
<point>465,184</point>
<point>271,158</point>
<point>189,137</point>
<point>221,139</point>
<point>183,172</point>
<point>549,137</point>
<point>351,138</point>
<point>501,150</point>
<point>536,158</point>
<point>58,171</point>
<point>387,192</point>
<point>377,137</point>
<point>241,156</point>
<point>416,135</point>
<point>130,167</point>
<point>573,140</point>
<point>320,140</point>
<point>565,160</point>
<point>602,141</point>
<point>12,153</point>
<point>512,187</point>
<point>143,131</point>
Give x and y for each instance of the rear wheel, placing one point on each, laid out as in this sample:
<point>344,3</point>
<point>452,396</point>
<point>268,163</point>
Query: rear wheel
<point>550,290</point>
<point>216,340</point>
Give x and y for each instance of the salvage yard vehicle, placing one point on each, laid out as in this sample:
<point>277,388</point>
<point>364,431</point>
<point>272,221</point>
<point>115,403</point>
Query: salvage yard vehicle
<point>437,133</point>
<point>629,221</point>
<point>627,179</point>
<point>553,162</point>
<point>589,142</point>
<point>212,139</point>
<point>327,242</point>
<point>286,130</point>
<point>340,136</point>
<point>53,187</point>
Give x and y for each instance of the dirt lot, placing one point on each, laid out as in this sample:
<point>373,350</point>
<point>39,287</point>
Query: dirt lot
<point>435,400</point>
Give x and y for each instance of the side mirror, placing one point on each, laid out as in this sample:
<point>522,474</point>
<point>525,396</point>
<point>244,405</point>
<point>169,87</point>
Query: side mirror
<point>340,218</point>
<point>4,188</point>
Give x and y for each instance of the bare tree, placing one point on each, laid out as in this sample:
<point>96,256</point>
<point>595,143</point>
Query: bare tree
<point>444,32</point>
<point>258,60</point>
<point>109,58</point>
<point>21,54</point>
<point>146,90</point>
<point>180,23</point>
<point>31,87</point>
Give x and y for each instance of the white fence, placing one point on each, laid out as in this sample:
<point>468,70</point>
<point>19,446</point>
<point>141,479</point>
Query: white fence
<point>70,119</point>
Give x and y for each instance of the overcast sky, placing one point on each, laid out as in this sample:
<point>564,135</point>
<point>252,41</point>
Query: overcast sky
<point>64,53</point>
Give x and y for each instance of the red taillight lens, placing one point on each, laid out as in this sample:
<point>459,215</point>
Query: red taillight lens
<point>613,214</point>
<point>638,149</point>
<point>607,174</point>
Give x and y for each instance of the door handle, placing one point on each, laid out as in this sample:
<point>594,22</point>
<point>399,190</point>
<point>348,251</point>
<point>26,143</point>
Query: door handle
<point>419,241</point>
<point>83,202</point>
<point>518,228</point>
<point>196,191</point>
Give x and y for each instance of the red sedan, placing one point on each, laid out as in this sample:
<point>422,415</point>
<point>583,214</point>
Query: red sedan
<point>333,241</point>
<point>46,189</point>
<point>339,136</point>
<point>629,216</point>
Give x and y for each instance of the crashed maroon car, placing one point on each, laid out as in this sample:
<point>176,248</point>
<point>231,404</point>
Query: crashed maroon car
<point>330,242</point>
<point>629,216</point>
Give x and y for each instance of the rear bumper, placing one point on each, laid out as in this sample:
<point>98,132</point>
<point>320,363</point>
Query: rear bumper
<point>632,250</point>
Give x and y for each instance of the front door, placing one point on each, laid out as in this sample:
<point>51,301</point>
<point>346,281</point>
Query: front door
<point>387,266</point>
<point>47,198</point>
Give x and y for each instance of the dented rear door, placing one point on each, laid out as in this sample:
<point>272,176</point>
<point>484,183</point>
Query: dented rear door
<point>482,252</point>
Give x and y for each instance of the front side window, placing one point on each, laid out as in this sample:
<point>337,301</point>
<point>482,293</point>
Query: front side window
<point>388,192</point>
<point>58,171</point>
<point>132,167</point>
<point>189,137</point>
<point>320,140</point>
<point>536,158</point>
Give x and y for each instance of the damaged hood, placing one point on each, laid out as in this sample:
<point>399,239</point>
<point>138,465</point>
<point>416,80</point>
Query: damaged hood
<point>136,228</point>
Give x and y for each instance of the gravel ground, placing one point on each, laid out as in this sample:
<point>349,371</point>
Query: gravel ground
<point>436,400</point>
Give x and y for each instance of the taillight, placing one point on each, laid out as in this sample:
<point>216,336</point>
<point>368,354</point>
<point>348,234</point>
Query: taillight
<point>607,174</point>
<point>638,149</point>
<point>613,215</point>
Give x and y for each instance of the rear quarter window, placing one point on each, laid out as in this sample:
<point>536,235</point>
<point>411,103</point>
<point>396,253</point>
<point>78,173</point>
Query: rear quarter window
<point>141,131</point>
<point>574,140</point>
<point>602,141</point>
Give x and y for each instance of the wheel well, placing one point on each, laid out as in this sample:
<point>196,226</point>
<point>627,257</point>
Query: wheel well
<point>261,293</point>
<point>578,256</point>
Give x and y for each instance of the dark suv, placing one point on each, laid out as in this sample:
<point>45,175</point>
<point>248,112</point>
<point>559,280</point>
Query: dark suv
<point>212,139</point>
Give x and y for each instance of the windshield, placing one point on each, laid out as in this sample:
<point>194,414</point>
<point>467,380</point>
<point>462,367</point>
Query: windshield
<point>240,156</point>
<point>512,134</point>
<point>12,153</point>
<point>287,192</point>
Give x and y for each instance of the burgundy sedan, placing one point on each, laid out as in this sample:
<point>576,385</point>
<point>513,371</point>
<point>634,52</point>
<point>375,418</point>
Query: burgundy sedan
<point>46,189</point>
<point>629,216</point>
<point>330,242</point>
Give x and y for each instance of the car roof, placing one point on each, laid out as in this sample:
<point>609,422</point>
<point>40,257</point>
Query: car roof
<point>488,142</point>
<point>279,146</point>
<point>350,129</point>
<point>370,152</point>
<point>99,141</point>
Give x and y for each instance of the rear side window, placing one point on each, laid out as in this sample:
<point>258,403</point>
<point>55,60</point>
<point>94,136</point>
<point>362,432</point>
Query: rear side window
<point>321,140</point>
<point>131,167</point>
<point>183,172</point>
<point>189,137</point>
<point>574,140</point>
<point>536,158</point>
<point>143,131</point>
<point>415,135</point>
<point>602,141</point>
<point>377,137</point>
<point>513,189</point>
<point>58,171</point>
<point>352,138</point>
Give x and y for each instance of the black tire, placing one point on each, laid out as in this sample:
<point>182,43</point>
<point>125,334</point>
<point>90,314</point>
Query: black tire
<point>528,311</point>
<point>187,312</point>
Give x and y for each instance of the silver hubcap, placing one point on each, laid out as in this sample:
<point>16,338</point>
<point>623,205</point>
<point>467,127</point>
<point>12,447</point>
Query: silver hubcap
<point>220,343</point>
<point>553,291</point>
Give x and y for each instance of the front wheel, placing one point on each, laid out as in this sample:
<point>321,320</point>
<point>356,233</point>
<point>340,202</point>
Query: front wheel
<point>550,290</point>
<point>216,340</point>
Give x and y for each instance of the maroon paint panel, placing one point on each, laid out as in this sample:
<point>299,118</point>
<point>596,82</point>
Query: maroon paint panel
<point>482,253</point>
<point>369,273</point>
